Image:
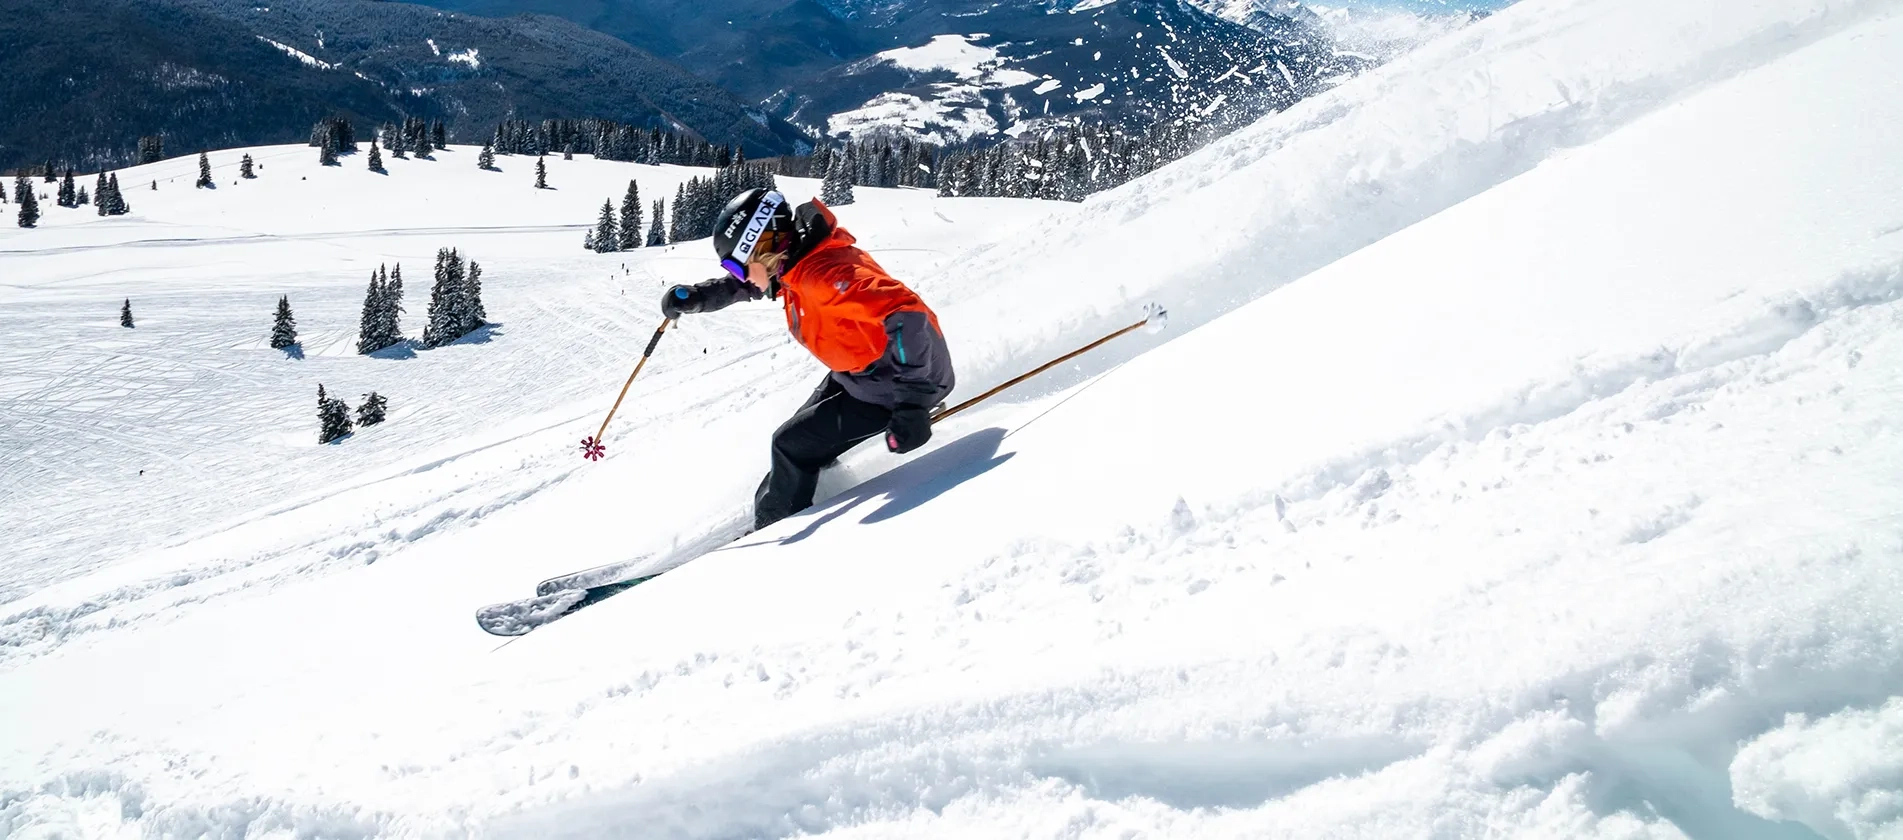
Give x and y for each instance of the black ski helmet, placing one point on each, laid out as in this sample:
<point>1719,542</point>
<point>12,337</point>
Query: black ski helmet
<point>738,227</point>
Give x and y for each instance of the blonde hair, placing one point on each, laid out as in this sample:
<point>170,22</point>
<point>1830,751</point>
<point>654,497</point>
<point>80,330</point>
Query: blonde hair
<point>768,254</point>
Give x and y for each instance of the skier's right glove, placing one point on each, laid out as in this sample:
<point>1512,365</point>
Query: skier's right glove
<point>910,428</point>
<point>680,300</point>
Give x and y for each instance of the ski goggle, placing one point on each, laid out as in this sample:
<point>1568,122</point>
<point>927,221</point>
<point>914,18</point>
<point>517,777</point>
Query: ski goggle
<point>738,271</point>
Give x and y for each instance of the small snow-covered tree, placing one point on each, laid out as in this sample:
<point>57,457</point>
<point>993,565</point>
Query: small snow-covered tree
<point>29,206</point>
<point>333,417</point>
<point>630,226</point>
<point>606,238</point>
<point>657,235</point>
<point>370,411</point>
<point>244,168</point>
<point>541,173</point>
<point>68,194</point>
<point>486,159</point>
<point>446,301</point>
<point>119,206</point>
<point>125,314</point>
<point>370,336</point>
<point>284,326</point>
<point>204,172</point>
<point>84,198</point>
<point>391,321</point>
<point>474,314</point>
<point>376,157</point>
<point>102,195</point>
<point>327,151</point>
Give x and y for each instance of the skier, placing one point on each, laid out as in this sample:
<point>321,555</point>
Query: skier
<point>887,359</point>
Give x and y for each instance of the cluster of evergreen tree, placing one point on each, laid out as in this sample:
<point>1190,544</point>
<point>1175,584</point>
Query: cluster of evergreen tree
<point>332,136</point>
<point>698,200</point>
<point>106,196</point>
<point>382,309</point>
<point>609,140</point>
<point>151,149</point>
<point>455,304</point>
<point>877,161</point>
<point>414,136</point>
<point>29,204</point>
<point>1068,162</point>
<point>836,187</point>
<point>283,325</point>
<point>333,414</point>
<point>623,232</point>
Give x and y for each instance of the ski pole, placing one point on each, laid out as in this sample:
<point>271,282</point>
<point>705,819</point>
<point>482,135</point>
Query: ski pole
<point>591,447</point>
<point>1154,317</point>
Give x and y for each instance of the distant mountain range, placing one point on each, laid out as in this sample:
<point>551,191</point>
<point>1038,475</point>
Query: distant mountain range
<point>955,69</point>
<point>83,79</point>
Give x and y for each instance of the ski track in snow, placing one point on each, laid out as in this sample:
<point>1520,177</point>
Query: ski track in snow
<point>1521,461</point>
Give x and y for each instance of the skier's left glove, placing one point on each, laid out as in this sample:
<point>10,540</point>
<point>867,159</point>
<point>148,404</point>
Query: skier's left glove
<point>910,428</point>
<point>679,300</point>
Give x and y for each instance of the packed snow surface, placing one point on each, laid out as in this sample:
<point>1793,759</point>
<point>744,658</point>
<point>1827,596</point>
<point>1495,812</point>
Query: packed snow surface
<point>1524,458</point>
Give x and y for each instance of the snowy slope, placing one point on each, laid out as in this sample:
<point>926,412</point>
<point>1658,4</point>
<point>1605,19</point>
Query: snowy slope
<point>1532,470</point>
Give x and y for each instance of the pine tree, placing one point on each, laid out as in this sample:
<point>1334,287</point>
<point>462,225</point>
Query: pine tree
<point>446,300</point>
<point>84,197</point>
<point>439,135</point>
<point>244,168</point>
<point>327,152</point>
<point>656,235</point>
<point>390,322</point>
<point>630,228</point>
<point>370,336</point>
<point>606,238</point>
<point>204,172</point>
<point>46,173</point>
<point>486,159</point>
<point>376,157</point>
<point>29,205</point>
<point>333,417</point>
<point>371,411</point>
<point>119,206</point>
<point>284,328</point>
<point>541,173</point>
<point>151,149</point>
<point>125,314</point>
<point>102,195</point>
<point>836,189</point>
<point>68,195</point>
<point>399,142</point>
<point>474,314</point>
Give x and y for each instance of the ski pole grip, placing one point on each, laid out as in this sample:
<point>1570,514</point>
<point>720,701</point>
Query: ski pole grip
<point>656,339</point>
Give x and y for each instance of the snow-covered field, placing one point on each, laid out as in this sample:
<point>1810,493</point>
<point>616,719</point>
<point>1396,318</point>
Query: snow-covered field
<point>1525,459</point>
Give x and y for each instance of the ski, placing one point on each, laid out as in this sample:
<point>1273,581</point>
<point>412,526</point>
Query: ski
<point>564,595</point>
<point>517,618</point>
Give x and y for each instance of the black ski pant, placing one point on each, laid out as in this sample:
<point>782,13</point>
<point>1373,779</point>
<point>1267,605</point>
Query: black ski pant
<point>830,423</point>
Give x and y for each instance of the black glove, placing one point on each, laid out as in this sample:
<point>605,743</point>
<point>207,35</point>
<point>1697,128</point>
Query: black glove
<point>910,428</point>
<point>679,300</point>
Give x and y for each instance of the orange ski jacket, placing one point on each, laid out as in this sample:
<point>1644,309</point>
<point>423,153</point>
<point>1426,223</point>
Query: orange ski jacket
<point>837,300</point>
